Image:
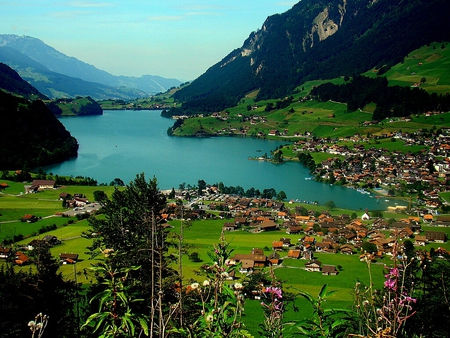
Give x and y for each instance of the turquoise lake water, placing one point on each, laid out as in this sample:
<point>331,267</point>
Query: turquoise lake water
<point>122,144</point>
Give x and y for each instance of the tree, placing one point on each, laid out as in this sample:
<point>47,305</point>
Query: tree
<point>278,156</point>
<point>172,194</point>
<point>377,214</point>
<point>330,205</point>
<point>269,193</point>
<point>25,294</point>
<point>117,182</point>
<point>201,187</point>
<point>369,247</point>
<point>131,227</point>
<point>99,195</point>
<point>281,196</point>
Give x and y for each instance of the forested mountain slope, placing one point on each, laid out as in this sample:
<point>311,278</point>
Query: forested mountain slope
<point>31,134</point>
<point>11,81</point>
<point>318,39</point>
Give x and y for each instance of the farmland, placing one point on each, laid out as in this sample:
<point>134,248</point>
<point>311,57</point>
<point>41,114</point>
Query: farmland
<point>200,235</point>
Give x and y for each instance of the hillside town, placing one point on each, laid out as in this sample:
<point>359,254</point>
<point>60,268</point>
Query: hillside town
<point>426,173</point>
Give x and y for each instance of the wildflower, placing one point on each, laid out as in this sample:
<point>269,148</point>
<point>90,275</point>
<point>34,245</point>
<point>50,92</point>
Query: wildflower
<point>238,286</point>
<point>209,318</point>
<point>107,252</point>
<point>390,284</point>
<point>206,282</point>
<point>195,286</point>
<point>275,291</point>
<point>32,325</point>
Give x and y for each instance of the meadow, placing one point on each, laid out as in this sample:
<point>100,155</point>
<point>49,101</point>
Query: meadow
<point>200,236</point>
<point>423,66</point>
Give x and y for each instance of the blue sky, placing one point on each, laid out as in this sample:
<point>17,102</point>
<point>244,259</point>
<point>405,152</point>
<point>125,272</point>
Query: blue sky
<point>170,38</point>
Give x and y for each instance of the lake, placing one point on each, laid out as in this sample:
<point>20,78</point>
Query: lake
<point>122,144</point>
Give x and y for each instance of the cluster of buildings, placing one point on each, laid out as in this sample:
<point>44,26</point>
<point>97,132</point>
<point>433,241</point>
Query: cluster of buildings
<point>427,172</point>
<point>300,232</point>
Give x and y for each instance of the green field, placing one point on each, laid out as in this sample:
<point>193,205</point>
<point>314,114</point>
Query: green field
<point>201,236</point>
<point>427,62</point>
<point>427,66</point>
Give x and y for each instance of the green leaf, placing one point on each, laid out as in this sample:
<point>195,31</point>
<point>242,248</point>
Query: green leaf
<point>144,325</point>
<point>323,291</point>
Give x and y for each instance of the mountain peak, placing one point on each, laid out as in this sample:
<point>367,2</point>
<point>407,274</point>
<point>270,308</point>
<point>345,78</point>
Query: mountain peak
<point>318,39</point>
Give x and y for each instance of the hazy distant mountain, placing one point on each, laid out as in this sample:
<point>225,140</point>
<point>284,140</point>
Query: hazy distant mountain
<point>60,63</point>
<point>318,39</point>
<point>55,85</point>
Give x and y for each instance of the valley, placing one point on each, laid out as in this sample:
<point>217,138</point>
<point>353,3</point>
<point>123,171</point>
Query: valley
<point>299,187</point>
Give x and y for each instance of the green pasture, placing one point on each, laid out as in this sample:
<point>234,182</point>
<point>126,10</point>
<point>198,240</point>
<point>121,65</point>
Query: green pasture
<point>14,204</point>
<point>71,242</point>
<point>426,62</point>
<point>395,145</point>
<point>445,196</point>
<point>201,236</point>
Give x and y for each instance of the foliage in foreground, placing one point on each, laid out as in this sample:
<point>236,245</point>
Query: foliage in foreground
<point>130,302</point>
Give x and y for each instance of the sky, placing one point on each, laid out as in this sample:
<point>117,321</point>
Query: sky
<point>170,38</point>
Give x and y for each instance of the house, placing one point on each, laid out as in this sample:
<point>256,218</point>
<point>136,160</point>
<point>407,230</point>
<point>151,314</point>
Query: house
<point>277,245</point>
<point>5,252</point>
<point>274,258</point>
<point>428,218</point>
<point>293,229</point>
<point>323,246</point>
<point>68,258</point>
<point>39,185</point>
<point>313,265</point>
<point>29,218</point>
<point>267,225</point>
<point>294,254</point>
<point>347,249</point>
<point>21,258</point>
<point>247,266</point>
<point>435,236</point>
<point>229,226</point>
<point>420,240</point>
<point>257,256</point>
<point>329,270</point>
<point>51,240</point>
<point>286,242</point>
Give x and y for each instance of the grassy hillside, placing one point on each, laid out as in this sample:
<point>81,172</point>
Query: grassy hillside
<point>430,63</point>
<point>75,107</point>
<point>331,119</point>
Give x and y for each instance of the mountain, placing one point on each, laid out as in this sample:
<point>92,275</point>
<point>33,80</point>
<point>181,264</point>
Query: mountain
<point>318,39</point>
<point>55,85</point>
<point>11,82</point>
<point>31,134</point>
<point>60,63</point>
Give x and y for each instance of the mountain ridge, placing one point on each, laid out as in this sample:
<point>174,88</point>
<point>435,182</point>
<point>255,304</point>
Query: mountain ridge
<point>317,40</point>
<point>58,63</point>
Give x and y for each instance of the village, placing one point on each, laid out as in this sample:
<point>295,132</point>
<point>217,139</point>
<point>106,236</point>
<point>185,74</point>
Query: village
<point>314,232</point>
<point>393,173</point>
<point>397,174</point>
